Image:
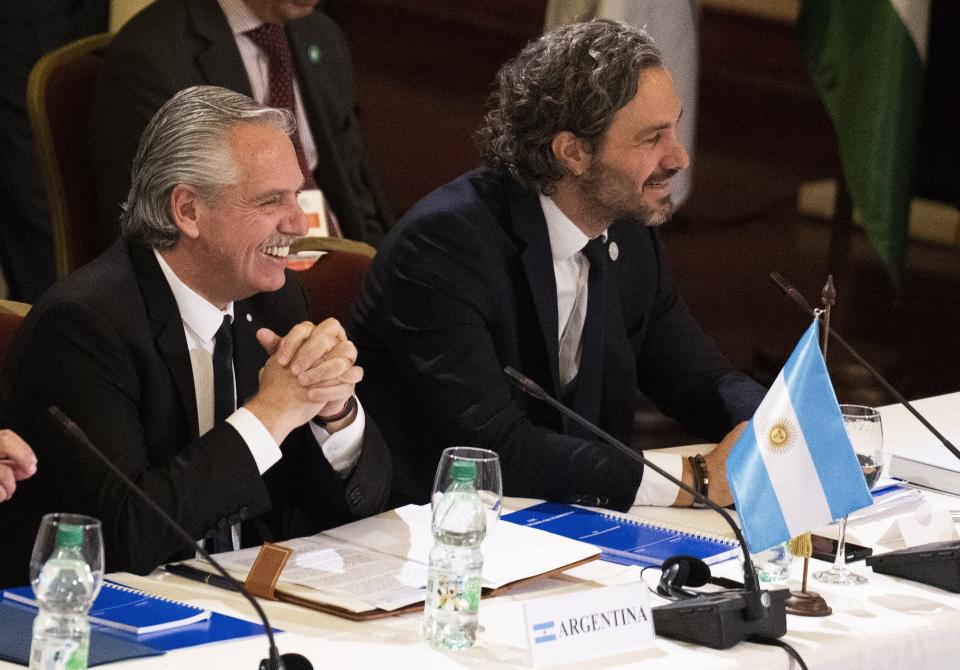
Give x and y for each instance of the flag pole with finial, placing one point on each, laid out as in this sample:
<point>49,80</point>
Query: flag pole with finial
<point>803,602</point>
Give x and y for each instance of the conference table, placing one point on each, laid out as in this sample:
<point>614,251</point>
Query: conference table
<point>887,623</point>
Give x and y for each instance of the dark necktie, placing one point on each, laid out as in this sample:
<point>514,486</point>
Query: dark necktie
<point>589,381</point>
<point>224,403</point>
<point>273,40</point>
<point>223,393</point>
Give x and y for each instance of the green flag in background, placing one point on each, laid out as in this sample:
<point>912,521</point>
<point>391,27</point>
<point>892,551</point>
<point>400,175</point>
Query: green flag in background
<point>866,59</point>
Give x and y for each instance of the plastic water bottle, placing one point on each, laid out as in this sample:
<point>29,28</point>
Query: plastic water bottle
<point>450,613</point>
<point>64,590</point>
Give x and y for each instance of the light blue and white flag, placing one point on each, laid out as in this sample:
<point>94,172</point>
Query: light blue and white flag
<point>794,469</point>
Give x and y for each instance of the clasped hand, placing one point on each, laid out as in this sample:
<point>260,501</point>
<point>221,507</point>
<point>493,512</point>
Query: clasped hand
<point>311,371</point>
<point>17,462</point>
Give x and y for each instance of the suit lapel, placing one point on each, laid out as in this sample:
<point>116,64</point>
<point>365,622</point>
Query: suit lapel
<point>167,327</point>
<point>309,57</point>
<point>220,62</point>
<point>537,259</point>
<point>619,364</point>
<point>303,45</point>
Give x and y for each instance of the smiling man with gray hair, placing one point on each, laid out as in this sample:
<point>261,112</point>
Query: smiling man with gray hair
<point>186,355</point>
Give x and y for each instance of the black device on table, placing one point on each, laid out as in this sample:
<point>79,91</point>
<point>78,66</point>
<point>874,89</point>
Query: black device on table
<point>825,549</point>
<point>936,563</point>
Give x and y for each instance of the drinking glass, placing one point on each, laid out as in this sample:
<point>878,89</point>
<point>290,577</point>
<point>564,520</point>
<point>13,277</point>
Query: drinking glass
<point>866,435</point>
<point>773,565</point>
<point>91,548</point>
<point>489,482</point>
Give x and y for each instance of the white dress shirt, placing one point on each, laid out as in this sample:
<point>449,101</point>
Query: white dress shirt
<point>241,19</point>
<point>566,241</point>
<point>201,320</point>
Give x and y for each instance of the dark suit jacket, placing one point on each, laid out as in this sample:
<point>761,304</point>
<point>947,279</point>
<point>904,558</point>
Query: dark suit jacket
<point>463,286</point>
<point>173,44</point>
<point>107,346</point>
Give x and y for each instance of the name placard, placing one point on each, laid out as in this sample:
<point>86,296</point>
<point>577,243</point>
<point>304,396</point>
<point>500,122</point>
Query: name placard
<point>588,624</point>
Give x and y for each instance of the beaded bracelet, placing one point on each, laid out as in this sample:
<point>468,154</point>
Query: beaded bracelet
<point>701,478</point>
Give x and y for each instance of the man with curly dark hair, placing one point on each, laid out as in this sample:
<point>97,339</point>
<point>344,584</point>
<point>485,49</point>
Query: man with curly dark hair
<point>548,259</point>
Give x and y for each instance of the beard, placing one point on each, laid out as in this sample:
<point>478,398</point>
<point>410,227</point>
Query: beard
<point>610,195</point>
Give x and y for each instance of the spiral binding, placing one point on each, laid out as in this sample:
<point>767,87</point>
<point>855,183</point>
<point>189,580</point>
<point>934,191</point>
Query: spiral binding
<point>129,589</point>
<point>698,535</point>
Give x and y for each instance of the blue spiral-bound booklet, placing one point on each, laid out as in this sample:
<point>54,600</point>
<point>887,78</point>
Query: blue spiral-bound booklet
<point>624,541</point>
<point>119,612</point>
<point>128,610</point>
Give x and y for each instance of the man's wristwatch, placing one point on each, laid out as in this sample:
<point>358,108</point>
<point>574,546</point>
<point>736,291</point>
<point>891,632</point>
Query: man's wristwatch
<point>348,407</point>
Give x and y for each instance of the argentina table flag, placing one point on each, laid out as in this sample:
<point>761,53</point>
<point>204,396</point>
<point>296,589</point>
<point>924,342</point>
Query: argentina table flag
<point>794,469</point>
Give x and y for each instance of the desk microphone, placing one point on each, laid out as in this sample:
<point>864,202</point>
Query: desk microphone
<point>781,283</point>
<point>274,661</point>
<point>718,620</point>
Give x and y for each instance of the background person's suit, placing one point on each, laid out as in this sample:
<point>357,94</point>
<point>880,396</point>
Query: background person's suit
<point>174,44</point>
<point>107,346</point>
<point>463,286</point>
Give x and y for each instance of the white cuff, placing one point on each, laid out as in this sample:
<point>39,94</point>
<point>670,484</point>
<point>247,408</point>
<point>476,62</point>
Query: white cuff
<point>265,450</point>
<point>342,449</point>
<point>655,490</point>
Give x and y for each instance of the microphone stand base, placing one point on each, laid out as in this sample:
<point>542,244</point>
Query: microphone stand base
<point>717,620</point>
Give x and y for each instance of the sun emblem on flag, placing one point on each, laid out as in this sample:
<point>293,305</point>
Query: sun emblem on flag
<point>781,435</point>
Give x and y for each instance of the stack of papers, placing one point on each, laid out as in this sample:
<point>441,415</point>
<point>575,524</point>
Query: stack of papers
<point>889,497</point>
<point>378,565</point>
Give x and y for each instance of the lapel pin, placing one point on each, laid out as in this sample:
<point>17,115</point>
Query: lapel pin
<point>313,53</point>
<point>613,250</point>
<point>249,318</point>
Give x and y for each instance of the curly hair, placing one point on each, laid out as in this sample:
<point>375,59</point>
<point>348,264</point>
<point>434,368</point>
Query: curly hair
<point>574,78</point>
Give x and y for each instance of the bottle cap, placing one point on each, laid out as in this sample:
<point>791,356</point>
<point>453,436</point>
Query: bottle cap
<point>69,535</point>
<point>463,471</point>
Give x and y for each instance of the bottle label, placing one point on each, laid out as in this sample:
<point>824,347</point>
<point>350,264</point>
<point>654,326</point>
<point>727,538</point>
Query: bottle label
<point>78,659</point>
<point>472,593</point>
<point>454,593</point>
<point>67,655</point>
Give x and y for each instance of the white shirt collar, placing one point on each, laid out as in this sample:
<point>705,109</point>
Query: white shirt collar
<point>198,314</point>
<point>566,238</point>
<point>240,17</point>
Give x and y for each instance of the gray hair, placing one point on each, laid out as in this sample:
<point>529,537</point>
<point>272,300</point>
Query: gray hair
<point>186,143</point>
<point>574,79</point>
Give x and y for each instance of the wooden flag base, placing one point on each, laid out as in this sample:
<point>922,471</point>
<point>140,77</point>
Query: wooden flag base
<point>807,603</point>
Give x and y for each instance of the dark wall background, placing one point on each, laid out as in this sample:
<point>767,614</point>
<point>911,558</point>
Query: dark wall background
<point>938,173</point>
